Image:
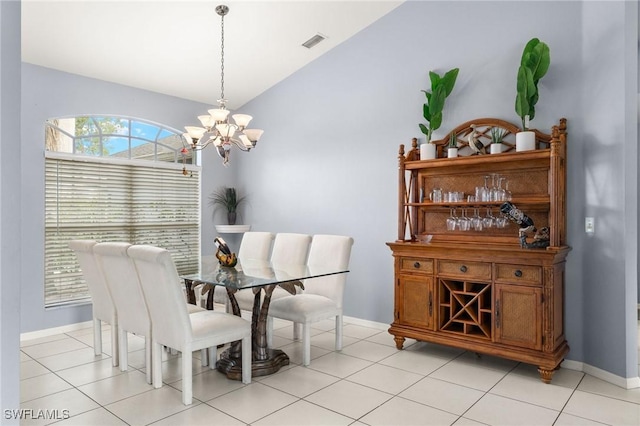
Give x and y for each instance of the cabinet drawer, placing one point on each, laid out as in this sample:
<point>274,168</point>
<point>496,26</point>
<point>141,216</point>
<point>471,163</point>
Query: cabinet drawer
<point>411,264</point>
<point>468,270</point>
<point>519,274</point>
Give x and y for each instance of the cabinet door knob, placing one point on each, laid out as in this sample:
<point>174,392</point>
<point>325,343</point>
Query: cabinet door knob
<point>463,268</point>
<point>518,273</point>
<point>416,265</point>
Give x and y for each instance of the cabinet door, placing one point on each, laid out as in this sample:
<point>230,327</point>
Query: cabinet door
<point>518,316</point>
<point>415,301</point>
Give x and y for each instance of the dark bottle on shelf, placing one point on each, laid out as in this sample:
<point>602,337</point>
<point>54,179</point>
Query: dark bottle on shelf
<point>516,215</point>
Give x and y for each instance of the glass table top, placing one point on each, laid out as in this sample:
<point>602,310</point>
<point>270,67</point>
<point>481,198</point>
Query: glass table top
<point>256,273</point>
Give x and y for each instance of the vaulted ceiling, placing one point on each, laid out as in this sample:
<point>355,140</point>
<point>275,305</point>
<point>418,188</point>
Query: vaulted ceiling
<point>173,47</point>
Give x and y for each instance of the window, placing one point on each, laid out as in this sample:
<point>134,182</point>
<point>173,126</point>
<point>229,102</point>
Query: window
<point>115,179</point>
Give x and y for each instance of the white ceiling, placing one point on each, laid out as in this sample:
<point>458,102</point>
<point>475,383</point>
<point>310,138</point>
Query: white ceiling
<point>173,47</point>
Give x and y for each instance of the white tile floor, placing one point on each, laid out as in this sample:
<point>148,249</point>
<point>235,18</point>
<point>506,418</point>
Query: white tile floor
<point>368,383</point>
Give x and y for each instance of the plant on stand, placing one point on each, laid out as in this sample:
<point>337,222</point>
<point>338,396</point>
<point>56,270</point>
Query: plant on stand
<point>497,135</point>
<point>227,198</point>
<point>441,87</point>
<point>533,66</point>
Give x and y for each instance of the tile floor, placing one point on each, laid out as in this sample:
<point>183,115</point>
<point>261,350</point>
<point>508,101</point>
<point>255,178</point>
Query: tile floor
<point>368,383</point>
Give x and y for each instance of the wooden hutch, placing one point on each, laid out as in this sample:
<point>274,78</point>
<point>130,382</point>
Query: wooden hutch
<point>479,290</point>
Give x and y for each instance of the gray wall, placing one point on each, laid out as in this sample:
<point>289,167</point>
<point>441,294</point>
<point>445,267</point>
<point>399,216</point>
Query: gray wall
<point>327,162</point>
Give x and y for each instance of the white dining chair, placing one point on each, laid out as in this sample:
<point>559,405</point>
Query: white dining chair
<point>174,327</point>
<point>122,279</point>
<point>103,307</point>
<point>322,297</point>
<point>288,248</point>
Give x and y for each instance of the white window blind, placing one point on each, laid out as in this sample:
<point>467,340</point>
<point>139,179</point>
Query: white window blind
<point>115,201</point>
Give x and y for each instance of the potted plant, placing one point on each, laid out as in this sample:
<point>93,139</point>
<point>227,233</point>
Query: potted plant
<point>533,66</point>
<point>452,150</point>
<point>497,135</point>
<point>227,198</point>
<point>441,87</point>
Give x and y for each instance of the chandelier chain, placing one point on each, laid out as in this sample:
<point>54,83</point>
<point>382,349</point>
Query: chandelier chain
<point>222,61</point>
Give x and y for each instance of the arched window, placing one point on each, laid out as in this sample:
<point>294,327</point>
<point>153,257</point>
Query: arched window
<point>116,137</point>
<point>114,178</point>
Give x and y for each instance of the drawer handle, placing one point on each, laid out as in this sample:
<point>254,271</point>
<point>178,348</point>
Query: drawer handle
<point>518,273</point>
<point>463,268</point>
<point>416,265</point>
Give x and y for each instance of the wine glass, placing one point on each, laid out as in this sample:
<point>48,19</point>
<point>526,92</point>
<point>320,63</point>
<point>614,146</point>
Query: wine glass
<point>452,221</point>
<point>476,220</point>
<point>488,221</point>
<point>507,193</point>
<point>464,223</point>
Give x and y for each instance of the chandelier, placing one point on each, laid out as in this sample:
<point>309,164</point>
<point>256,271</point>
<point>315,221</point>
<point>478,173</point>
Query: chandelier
<point>217,128</point>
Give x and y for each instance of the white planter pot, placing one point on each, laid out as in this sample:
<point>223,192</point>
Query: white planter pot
<point>427,151</point>
<point>495,148</point>
<point>452,152</point>
<point>525,141</point>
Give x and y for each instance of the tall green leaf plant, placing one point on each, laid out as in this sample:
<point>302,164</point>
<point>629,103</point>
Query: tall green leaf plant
<point>533,66</point>
<point>441,87</point>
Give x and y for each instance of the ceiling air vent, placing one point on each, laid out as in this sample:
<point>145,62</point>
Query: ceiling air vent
<point>313,41</point>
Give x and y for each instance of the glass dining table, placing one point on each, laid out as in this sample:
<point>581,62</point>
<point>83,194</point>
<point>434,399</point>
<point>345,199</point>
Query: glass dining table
<point>261,277</point>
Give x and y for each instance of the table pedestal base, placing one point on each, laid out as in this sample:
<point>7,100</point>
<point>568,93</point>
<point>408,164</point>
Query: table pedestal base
<point>232,367</point>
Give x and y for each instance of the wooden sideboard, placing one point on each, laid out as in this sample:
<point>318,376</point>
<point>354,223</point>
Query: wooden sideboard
<point>479,290</point>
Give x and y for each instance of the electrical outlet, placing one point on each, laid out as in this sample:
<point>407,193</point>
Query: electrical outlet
<point>589,225</point>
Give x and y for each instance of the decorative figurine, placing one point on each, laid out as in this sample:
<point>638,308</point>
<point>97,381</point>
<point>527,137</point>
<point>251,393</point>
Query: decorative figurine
<point>474,142</point>
<point>224,254</point>
<point>540,238</point>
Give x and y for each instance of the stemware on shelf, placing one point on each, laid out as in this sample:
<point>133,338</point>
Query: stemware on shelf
<point>476,220</point>
<point>452,221</point>
<point>464,222</point>
<point>489,220</point>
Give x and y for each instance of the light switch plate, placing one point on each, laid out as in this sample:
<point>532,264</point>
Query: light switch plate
<point>589,225</point>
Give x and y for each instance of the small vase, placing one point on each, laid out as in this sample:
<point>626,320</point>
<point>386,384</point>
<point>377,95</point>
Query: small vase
<point>427,151</point>
<point>452,152</point>
<point>525,141</point>
<point>495,148</point>
<point>231,218</point>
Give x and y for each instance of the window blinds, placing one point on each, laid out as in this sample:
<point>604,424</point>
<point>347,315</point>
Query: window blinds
<point>115,201</point>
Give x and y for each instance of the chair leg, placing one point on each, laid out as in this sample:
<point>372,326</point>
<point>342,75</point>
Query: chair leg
<point>187,378</point>
<point>204,357</point>
<point>123,348</point>
<point>306,344</point>
<point>156,364</point>
<point>213,357</point>
<point>147,357</point>
<point>246,360</point>
<point>97,338</point>
<point>339,332</point>
<point>269,331</point>
<point>115,353</point>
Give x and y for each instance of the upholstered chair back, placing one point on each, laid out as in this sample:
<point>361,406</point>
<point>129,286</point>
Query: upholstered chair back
<point>163,294</point>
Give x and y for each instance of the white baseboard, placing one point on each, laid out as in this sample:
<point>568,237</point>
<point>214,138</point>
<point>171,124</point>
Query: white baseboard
<point>366,323</point>
<point>55,330</point>
<point>625,383</point>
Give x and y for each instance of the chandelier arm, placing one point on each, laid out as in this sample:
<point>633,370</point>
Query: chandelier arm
<point>240,145</point>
